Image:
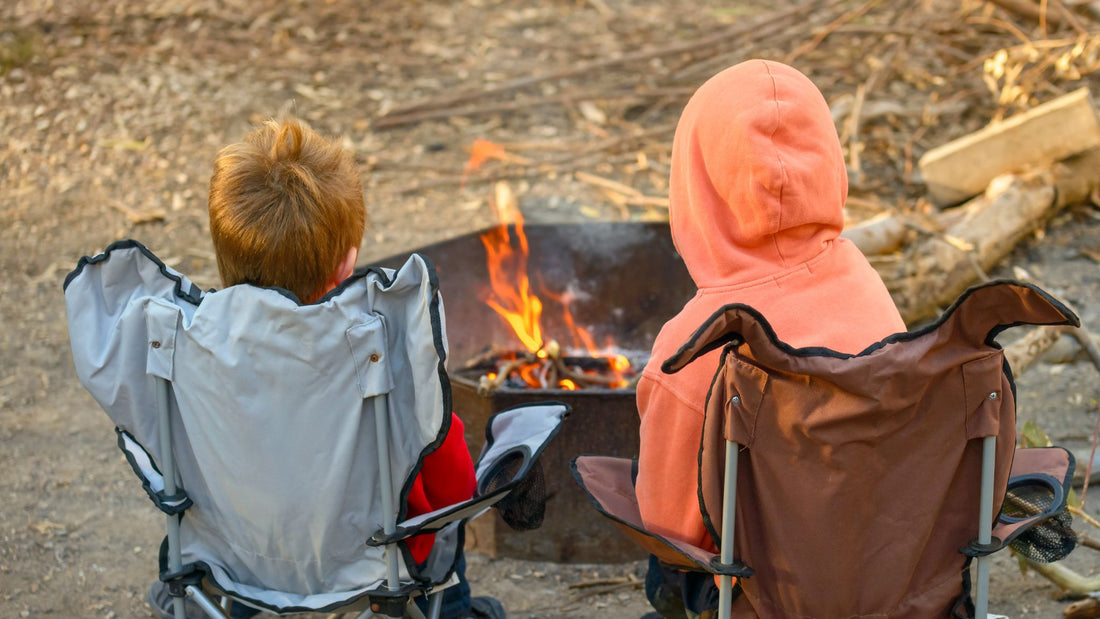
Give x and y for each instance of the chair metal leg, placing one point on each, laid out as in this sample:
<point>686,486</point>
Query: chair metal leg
<point>435,605</point>
<point>729,509</point>
<point>168,463</point>
<point>382,426</point>
<point>206,604</point>
<point>985,525</point>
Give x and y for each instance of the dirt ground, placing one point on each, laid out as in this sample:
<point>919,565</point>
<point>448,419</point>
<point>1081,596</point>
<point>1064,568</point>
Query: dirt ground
<point>112,112</point>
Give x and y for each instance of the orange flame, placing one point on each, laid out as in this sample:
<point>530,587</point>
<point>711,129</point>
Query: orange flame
<point>510,294</point>
<point>481,151</point>
<point>582,339</point>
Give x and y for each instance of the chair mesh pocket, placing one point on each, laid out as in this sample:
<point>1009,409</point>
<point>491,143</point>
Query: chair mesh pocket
<point>1049,540</point>
<point>524,507</point>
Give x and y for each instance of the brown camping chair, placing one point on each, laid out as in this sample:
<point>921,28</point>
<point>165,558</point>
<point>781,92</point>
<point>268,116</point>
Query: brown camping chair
<point>862,485</point>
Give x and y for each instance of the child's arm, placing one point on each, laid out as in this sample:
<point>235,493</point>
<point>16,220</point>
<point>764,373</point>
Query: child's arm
<point>448,472</point>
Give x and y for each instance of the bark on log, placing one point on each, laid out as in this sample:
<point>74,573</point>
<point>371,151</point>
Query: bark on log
<point>931,272</point>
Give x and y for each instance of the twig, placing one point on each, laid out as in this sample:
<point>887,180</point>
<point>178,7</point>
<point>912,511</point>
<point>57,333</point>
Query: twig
<point>607,183</point>
<point>1087,342</point>
<point>393,120</point>
<point>1064,577</point>
<point>1092,458</point>
<point>1000,23</point>
<point>139,217</point>
<point>1088,541</point>
<point>829,29</point>
<point>776,35</point>
<point>474,179</point>
<point>852,129</point>
<point>557,164</point>
<point>620,193</point>
<point>726,36</point>
<point>599,582</point>
<point>855,146</point>
<point>488,386</point>
<point>636,584</point>
<point>862,203</point>
<point>1087,518</point>
<point>586,379</point>
<point>1027,9</point>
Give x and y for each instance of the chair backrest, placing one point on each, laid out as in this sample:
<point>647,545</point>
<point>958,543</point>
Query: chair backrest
<point>272,425</point>
<point>858,479</point>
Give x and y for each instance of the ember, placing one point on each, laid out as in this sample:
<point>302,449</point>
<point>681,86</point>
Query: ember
<point>542,364</point>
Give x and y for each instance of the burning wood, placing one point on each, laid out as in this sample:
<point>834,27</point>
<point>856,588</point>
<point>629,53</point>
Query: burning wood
<point>549,368</point>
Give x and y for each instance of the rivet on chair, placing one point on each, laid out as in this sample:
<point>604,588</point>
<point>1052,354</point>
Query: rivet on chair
<point>735,399</point>
<point>155,344</point>
<point>374,357</point>
<point>993,395</point>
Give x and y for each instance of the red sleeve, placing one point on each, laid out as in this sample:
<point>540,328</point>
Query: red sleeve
<point>446,477</point>
<point>448,472</point>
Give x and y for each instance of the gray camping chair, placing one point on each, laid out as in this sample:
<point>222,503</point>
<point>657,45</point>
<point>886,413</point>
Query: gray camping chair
<point>281,440</point>
<point>861,485</point>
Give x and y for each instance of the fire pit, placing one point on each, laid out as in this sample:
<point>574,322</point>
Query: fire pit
<point>620,282</point>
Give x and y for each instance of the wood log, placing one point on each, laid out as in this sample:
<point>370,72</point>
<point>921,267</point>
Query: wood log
<point>1088,608</point>
<point>931,273</point>
<point>884,233</point>
<point>1047,133</point>
<point>1022,353</point>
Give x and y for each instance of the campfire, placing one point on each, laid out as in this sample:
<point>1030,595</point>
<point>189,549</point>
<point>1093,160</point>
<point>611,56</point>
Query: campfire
<point>569,361</point>
<point>574,266</point>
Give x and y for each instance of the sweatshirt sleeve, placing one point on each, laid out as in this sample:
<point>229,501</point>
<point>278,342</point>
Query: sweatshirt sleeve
<point>668,475</point>
<point>448,472</point>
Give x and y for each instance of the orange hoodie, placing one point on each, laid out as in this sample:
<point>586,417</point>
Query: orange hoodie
<point>757,191</point>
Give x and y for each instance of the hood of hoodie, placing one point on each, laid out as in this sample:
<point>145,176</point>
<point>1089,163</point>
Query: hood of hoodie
<point>758,183</point>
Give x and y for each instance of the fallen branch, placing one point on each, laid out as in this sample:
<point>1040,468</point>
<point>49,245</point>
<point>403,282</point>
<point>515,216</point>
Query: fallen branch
<point>556,165</point>
<point>393,120</point>
<point>842,108</point>
<point>726,36</point>
<point>1055,13</point>
<point>599,582</point>
<point>1065,578</point>
<point>633,584</point>
<point>140,217</point>
<point>832,27</point>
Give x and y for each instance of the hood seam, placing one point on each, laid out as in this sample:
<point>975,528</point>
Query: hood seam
<point>779,163</point>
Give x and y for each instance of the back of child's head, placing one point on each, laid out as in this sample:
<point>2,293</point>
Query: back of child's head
<point>286,206</point>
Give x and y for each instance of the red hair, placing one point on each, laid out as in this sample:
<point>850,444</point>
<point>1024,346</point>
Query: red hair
<point>286,206</point>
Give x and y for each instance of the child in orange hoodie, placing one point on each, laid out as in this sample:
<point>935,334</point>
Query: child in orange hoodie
<point>757,193</point>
